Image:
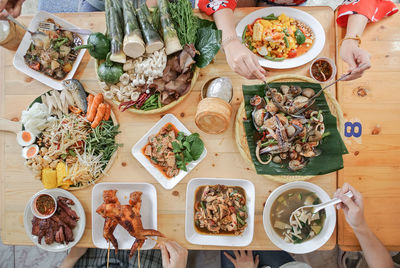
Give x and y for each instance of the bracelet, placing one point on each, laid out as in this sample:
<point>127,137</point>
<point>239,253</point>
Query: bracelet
<point>357,38</point>
<point>228,40</point>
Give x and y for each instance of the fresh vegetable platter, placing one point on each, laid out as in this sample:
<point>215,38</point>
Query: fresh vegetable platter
<point>149,59</point>
<point>332,147</point>
<point>69,137</point>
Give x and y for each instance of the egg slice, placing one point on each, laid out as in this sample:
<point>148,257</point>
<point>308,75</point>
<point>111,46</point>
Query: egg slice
<point>30,151</point>
<point>25,138</point>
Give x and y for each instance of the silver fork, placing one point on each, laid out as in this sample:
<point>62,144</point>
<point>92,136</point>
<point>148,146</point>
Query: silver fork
<point>34,35</point>
<point>52,27</point>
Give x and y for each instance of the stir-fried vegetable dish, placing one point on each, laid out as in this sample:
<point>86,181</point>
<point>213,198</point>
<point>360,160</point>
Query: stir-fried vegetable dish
<point>283,135</point>
<point>220,209</point>
<point>278,38</point>
<point>54,56</point>
<point>304,224</point>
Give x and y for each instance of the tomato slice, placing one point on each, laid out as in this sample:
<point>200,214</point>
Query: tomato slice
<point>292,53</point>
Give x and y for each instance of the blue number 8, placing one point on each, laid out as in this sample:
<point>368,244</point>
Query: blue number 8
<point>350,129</point>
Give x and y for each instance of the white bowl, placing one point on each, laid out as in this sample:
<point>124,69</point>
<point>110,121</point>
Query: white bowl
<point>333,65</point>
<point>35,212</point>
<point>297,14</point>
<point>148,213</point>
<point>309,245</point>
<point>241,240</point>
<point>19,62</point>
<point>167,183</point>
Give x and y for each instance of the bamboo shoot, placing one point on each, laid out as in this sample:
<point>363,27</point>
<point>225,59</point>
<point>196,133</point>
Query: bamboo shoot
<point>171,40</point>
<point>133,45</point>
<point>150,35</point>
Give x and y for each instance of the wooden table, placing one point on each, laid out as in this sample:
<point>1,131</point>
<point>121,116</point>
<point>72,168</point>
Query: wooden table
<point>223,159</point>
<point>372,165</point>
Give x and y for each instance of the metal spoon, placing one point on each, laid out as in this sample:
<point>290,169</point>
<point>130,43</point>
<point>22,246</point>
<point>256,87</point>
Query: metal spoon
<point>316,208</point>
<point>34,35</point>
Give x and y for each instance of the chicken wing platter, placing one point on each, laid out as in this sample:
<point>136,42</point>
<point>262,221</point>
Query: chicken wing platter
<point>125,215</point>
<point>68,137</point>
<point>63,229</point>
<point>287,137</point>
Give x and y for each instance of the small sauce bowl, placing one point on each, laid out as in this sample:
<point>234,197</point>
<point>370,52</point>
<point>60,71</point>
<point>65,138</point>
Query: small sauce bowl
<point>314,68</point>
<point>43,205</point>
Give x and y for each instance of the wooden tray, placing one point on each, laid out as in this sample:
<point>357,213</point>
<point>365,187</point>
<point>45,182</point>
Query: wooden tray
<point>240,134</point>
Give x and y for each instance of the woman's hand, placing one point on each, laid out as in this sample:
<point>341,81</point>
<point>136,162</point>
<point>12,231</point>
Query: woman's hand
<point>173,255</point>
<point>8,7</point>
<point>353,208</point>
<point>244,259</point>
<point>356,58</point>
<point>243,61</point>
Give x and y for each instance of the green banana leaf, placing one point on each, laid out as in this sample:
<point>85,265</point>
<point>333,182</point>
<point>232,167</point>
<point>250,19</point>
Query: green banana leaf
<point>332,146</point>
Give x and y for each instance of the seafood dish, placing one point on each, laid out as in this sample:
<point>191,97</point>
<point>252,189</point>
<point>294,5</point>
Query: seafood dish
<point>128,216</point>
<point>220,209</point>
<point>59,227</point>
<point>288,129</point>
<point>68,137</point>
<point>170,150</point>
<point>277,38</point>
<point>304,224</point>
<point>53,55</point>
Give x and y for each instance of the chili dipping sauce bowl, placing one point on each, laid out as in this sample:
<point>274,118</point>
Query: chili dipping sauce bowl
<point>36,200</point>
<point>332,66</point>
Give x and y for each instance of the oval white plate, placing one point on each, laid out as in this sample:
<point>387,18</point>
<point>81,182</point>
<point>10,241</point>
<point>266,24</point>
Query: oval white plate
<point>78,230</point>
<point>196,238</point>
<point>297,14</point>
<point>309,245</point>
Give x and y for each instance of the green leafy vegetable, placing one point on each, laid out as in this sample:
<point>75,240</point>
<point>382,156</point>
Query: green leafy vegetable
<point>208,44</point>
<point>270,17</point>
<point>186,24</point>
<point>187,149</point>
<point>300,38</point>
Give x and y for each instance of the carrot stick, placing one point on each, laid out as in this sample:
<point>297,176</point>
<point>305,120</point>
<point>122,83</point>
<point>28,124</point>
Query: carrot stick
<point>89,102</point>
<point>93,108</point>
<point>108,112</point>
<point>99,115</point>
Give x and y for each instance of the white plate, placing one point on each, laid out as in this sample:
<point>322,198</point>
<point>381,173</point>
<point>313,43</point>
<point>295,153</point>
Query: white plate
<point>148,212</point>
<point>19,62</point>
<point>241,240</point>
<point>78,230</point>
<point>167,183</point>
<point>297,14</point>
<point>309,245</point>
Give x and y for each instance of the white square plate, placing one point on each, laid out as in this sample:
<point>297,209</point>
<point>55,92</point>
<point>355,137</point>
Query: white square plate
<point>194,237</point>
<point>167,183</point>
<point>148,212</point>
<point>19,62</point>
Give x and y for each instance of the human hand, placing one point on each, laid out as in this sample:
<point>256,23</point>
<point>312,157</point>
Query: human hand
<point>244,259</point>
<point>173,255</point>
<point>353,208</point>
<point>243,61</point>
<point>9,7</point>
<point>355,57</point>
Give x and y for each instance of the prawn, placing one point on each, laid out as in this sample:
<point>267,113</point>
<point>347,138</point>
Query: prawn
<point>98,99</point>
<point>99,115</point>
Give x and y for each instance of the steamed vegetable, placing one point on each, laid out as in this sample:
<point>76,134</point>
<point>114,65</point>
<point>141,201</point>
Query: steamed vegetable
<point>110,72</point>
<point>133,43</point>
<point>98,46</point>
<point>150,35</point>
<point>172,43</point>
<point>115,30</point>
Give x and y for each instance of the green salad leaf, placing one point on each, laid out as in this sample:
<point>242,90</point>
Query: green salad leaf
<point>208,44</point>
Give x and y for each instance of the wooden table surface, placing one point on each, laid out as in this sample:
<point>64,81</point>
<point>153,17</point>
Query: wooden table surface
<point>372,165</point>
<point>223,160</point>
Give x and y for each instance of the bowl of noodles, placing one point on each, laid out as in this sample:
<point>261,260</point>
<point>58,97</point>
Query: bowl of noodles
<point>282,37</point>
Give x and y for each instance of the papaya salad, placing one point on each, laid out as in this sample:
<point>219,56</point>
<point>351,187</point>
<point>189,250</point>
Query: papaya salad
<point>278,38</point>
<point>68,137</point>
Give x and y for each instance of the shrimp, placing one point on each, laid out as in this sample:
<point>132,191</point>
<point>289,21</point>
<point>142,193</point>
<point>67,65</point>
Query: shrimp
<point>99,115</point>
<point>98,99</point>
<point>108,112</point>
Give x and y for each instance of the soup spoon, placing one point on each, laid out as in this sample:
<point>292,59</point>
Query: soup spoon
<point>316,208</point>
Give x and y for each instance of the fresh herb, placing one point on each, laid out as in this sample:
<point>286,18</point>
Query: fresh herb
<point>270,17</point>
<point>300,38</point>
<point>233,192</point>
<point>102,140</point>
<point>187,149</point>
<point>186,24</point>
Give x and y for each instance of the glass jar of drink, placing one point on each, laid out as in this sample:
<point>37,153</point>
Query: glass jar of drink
<point>10,35</point>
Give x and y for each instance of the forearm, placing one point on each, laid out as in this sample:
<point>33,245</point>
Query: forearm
<point>356,25</point>
<point>225,22</point>
<point>374,251</point>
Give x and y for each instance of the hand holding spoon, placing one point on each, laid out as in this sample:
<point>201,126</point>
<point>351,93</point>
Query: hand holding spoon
<point>316,208</point>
